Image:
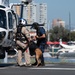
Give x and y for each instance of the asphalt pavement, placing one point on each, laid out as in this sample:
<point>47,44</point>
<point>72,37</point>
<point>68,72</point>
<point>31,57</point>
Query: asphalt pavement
<point>48,69</point>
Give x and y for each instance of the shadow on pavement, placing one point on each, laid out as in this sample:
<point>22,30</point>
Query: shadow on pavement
<point>5,65</point>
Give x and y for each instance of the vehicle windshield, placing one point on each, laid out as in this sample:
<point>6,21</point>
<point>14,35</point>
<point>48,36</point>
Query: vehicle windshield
<point>3,23</point>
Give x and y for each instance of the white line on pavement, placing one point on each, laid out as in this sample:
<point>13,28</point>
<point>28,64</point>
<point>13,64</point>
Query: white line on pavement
<point>53,68</point>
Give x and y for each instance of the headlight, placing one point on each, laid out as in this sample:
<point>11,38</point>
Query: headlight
<point>2,35</point>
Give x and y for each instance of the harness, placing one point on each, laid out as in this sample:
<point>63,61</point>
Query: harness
<point>21,37</point>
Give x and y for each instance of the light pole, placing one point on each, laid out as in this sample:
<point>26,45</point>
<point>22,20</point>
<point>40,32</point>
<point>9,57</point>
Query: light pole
<point>26,2</point>
<point>48,34</point>
<point>69,26</point>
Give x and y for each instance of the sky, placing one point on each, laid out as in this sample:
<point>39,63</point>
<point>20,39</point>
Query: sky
<point>58,9</point>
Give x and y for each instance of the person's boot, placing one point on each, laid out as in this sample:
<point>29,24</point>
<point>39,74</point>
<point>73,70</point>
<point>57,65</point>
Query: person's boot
<point>42,61</point>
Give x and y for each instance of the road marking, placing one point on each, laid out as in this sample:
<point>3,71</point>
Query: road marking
<point>42,68</point>
<point>3,68</point>
<point>53,68</point>
<point>9,67</point>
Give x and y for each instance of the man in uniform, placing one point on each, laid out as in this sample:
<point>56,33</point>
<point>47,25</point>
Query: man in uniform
<point>41,39</point>
<point>22,40</point>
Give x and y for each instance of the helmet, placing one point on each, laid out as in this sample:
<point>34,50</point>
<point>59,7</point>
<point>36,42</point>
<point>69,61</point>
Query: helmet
<point>34,25</point>
<point>22,21</point>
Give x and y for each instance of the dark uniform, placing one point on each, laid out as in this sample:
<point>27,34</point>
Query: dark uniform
<point>41,42</point>
<point>41,38</point>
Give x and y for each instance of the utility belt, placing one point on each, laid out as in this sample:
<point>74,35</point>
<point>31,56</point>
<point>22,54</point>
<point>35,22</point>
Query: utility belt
<point>21,39</point>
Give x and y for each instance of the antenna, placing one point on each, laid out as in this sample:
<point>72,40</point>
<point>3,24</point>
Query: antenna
<point>69,26</point>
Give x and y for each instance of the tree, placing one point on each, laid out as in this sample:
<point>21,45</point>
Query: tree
<point>72,34</point>
<point>59,32</point>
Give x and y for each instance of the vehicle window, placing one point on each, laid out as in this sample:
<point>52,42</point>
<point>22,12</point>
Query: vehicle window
<point>3,22</point>
<point>10,20</point>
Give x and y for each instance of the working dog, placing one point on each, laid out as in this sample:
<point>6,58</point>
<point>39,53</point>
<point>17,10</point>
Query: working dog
<point>34,50</point>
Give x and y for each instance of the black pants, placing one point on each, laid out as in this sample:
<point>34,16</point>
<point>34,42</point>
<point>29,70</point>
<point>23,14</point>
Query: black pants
<point>42,59</point>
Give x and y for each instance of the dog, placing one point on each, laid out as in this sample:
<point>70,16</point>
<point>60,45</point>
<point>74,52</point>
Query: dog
<point>34,50</point>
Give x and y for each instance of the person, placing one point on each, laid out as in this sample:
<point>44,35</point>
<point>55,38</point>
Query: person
<point>41,39</point>
<point>22,39</point>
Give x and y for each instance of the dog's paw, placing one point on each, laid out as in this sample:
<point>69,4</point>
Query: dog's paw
<point>38,65</point>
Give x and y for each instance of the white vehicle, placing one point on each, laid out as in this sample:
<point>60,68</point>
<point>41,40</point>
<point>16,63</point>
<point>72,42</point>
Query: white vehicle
<point>67,50</point>
<point>67,46</point>
<point>8,21</point>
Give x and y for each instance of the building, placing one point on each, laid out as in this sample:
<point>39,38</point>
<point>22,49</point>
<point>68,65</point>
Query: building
<point>43,14</point>
<point>34,12</point>
<point>58,22</point>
